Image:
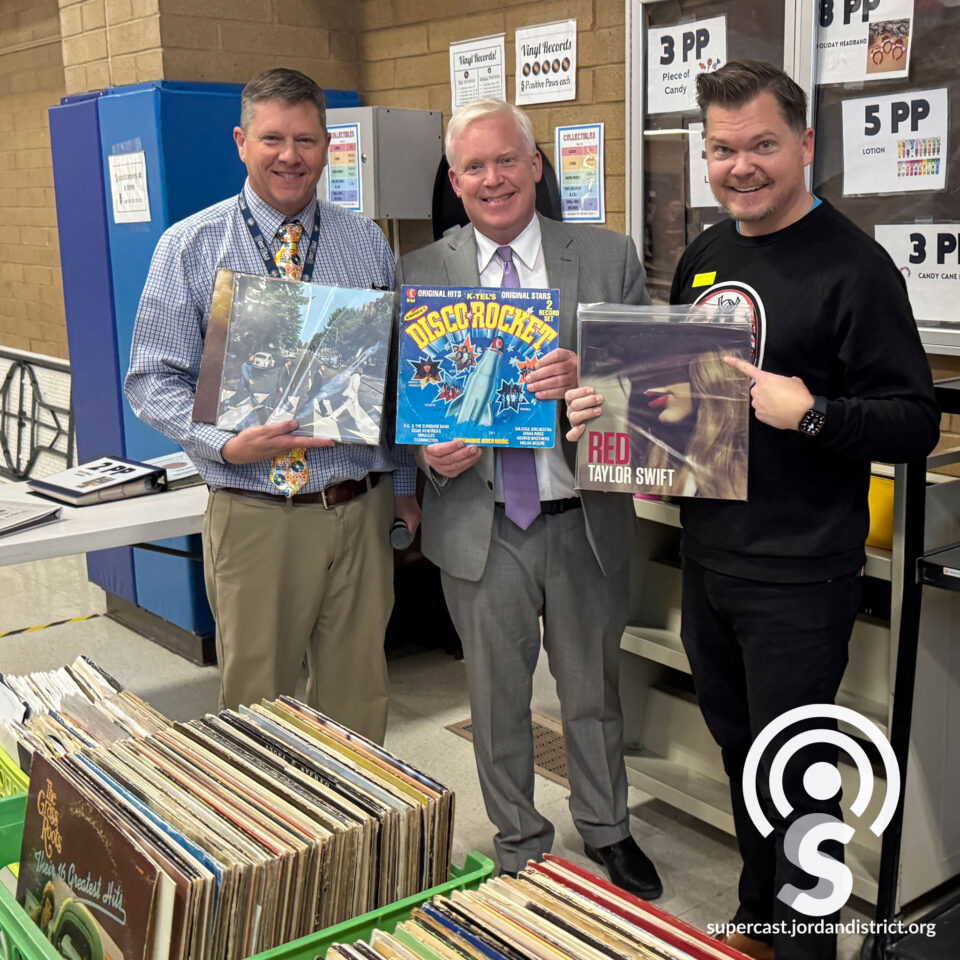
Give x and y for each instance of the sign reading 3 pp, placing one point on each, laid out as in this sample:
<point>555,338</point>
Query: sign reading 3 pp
<point>675,55</point>
<point>896,143</point>
<point>928,256</point>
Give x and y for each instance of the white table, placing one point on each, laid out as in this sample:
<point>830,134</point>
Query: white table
<point>121,523</point>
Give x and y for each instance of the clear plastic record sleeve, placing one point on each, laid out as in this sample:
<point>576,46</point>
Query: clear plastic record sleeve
<point>675,415</point>
<point>464,354</point>
<point>276,350</point>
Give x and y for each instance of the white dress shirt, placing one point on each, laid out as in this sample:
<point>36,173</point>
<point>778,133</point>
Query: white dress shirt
<point>554,479</point>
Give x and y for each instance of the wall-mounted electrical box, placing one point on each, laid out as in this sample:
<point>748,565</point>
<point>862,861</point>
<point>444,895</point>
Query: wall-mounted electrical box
<point>383,161</point>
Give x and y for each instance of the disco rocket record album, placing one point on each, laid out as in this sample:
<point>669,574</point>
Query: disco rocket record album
<point>277,350</point>
<point>464,356</point>
<point>675,417</point>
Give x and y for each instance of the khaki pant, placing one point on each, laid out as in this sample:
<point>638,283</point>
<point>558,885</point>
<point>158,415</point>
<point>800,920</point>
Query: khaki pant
<point>288,581</point>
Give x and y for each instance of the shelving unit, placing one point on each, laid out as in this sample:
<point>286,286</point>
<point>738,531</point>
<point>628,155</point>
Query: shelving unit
<point>671,755</point>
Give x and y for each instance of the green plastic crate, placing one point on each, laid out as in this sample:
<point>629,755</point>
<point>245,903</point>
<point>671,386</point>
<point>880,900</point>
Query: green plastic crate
<point>20,938</point>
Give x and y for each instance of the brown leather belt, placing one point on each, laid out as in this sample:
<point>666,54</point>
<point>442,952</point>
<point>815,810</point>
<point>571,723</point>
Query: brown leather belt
<point>332,496</point>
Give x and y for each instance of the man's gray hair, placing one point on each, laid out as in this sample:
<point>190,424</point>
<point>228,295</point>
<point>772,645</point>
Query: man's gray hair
<point>480,110</point>
<point>287,86</point>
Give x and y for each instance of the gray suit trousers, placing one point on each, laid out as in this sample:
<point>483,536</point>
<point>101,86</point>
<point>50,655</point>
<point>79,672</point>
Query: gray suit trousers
<point>548,571</point>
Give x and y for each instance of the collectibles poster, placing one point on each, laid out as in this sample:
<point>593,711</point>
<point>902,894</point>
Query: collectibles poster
<point>464,355</point>
<point>344,180</point>
<point>547,62</point>
<point>675,414</point>
<point>861,40</point>
<point>579,153</point>
<point>277,351</point>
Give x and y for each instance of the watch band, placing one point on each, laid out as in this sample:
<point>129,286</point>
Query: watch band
<point>811,423</point>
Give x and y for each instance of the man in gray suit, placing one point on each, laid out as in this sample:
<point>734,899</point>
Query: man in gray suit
<point>566,560</point>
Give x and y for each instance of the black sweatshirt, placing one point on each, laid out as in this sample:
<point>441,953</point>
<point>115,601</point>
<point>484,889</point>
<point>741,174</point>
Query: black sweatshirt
<point>831,308</point>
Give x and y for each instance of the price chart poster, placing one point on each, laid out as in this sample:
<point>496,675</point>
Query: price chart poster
<point>895,143</point>
<point>344,186</point>
<point>579,155</point>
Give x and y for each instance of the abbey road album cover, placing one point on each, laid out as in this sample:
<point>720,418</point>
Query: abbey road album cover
<point>277,350</point>
<point>463,360</point>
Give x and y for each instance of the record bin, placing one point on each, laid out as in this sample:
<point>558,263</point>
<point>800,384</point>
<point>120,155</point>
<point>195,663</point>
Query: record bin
<point>20,938</point>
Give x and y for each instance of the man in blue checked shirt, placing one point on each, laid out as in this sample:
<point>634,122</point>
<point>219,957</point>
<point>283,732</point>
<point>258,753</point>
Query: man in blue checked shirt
<point>287,576</point>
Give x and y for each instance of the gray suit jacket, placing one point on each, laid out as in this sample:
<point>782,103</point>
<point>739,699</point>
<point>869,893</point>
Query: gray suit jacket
<point>587,265</point>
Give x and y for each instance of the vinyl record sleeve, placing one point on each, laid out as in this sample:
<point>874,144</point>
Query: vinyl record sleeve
<point>463,358</point>
<point>278,350</point>
<point>88,885</point>
<point>675,417</point>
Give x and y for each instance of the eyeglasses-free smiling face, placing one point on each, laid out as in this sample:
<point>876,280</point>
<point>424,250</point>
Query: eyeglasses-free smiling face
<point>496,177</point>
<point>285,150</point>
<point>755,162</point>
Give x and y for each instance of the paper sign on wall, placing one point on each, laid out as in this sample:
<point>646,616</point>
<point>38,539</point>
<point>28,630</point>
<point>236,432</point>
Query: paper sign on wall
<point>344,182</point>
<point>547,62</point>
<point>477,70</point>
<point>128,186</point>
<point>675,55</point>
<point>895,144</point>
<point>928,256</point>
<point>863,40</point>
<point>579,156</point>
<point>700,193</point>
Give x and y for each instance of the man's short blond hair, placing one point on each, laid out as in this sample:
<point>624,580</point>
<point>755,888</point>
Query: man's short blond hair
<point>480,110</point>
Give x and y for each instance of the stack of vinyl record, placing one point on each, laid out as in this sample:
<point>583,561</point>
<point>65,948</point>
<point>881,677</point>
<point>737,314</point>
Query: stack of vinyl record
<point>225,836</point>
<point>552,911</point>
<point>64,710</point>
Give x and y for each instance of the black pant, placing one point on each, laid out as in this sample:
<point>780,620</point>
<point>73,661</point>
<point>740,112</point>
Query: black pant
<point>757,650</point>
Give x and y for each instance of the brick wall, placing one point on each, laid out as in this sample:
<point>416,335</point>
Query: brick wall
<point>229,41</point>
<point>404,50</point>
<point>116,42</point>
<point>109,42</point>
<point>31,79</point>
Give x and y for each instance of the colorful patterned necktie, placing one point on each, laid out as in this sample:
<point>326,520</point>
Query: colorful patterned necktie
<point>289,472</point>
<point>521,493</point>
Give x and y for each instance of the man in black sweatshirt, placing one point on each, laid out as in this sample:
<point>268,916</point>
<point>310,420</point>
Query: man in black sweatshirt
<point>771,585</point>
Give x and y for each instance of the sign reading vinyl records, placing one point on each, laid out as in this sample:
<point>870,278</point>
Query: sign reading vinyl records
<point>928,256</point>
<point>675,55</point>
<point>477,71</point>
<point>896,143</point>
<point>547,62</point>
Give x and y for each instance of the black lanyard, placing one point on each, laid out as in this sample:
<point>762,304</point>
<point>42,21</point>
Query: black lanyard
<point>261,244</point>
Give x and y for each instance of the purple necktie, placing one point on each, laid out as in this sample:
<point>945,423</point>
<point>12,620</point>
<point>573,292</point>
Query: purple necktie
<point>521,494</point>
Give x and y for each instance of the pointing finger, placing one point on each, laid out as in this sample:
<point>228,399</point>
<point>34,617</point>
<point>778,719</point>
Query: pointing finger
<point>747,369</point>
